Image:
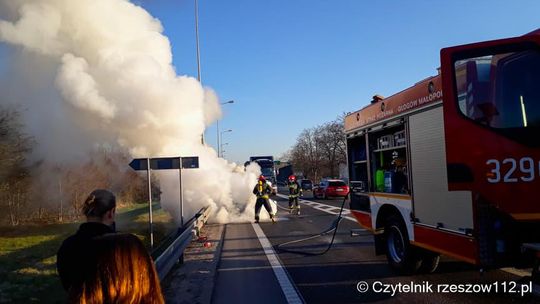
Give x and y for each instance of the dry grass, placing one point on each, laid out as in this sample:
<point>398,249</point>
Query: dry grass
<point>28,253</point>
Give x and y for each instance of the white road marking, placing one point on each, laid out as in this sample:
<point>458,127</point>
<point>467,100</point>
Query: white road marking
<point>323,207</point>
<point>289,290</point>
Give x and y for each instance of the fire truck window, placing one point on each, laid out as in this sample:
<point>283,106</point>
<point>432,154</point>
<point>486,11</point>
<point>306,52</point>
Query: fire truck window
<point>518,94</point>
<point>508,101</point>
<point>473,83</point>
<point>500,91</point>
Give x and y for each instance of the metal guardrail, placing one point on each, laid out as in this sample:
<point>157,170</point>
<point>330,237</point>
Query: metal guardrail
<point>175,251</point>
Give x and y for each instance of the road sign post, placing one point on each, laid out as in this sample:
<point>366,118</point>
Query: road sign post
<point>164,163</point>
<point>150,219</point>
<point>181,194</point>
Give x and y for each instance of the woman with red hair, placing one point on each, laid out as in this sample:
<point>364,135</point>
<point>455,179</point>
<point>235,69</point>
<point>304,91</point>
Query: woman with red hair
<point>120,270</point>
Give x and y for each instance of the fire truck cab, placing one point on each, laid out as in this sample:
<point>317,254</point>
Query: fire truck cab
<point>451,165</point>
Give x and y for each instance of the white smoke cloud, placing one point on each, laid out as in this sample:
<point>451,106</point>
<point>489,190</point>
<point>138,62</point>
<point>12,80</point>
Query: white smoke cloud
<point>79,87</point>
<point>212,107</point>
<point>106,77</point>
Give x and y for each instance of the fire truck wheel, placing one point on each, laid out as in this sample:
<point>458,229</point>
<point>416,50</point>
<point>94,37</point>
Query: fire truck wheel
<point>401,255</point>
<point>430,262</point>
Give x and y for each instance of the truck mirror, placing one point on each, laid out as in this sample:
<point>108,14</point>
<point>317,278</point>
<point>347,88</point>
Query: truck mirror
<point>473,80</point>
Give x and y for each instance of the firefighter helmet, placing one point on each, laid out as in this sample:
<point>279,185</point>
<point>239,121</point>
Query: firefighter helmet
<point>292,178</point>
<point>262,178</point>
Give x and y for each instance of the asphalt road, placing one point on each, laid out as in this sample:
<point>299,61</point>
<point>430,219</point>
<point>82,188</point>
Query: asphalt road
<point>245,274</point>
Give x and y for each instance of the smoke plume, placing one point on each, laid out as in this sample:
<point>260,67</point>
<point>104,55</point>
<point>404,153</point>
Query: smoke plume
<point>99,73</point>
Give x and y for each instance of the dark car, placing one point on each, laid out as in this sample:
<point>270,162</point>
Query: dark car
<point>331,188</point>
<point>306,184</point>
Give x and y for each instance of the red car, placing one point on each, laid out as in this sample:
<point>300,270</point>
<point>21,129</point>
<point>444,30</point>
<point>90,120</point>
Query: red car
<point>331,188</point>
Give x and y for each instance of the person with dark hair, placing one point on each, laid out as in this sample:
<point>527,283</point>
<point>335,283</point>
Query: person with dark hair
<point>120,270</point>
<point>99,209</point>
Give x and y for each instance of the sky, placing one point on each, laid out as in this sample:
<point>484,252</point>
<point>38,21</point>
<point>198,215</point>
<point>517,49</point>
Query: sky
<point>290,65</point>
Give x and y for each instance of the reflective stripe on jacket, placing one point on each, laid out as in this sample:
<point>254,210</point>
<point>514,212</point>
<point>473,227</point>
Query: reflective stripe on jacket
<point>294,189</point>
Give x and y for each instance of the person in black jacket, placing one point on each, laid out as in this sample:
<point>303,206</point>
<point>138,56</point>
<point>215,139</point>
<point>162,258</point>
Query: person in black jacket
<point>262,190</point>
<point>74,254</point>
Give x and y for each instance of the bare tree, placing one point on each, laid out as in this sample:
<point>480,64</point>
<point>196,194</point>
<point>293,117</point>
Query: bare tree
<point>333,147</point>
<point>305,154</point>
<point>49,192</point>
<point>14,148</point>
<point>318,151</point>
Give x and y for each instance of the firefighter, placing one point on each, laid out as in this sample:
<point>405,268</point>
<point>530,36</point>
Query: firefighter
<point>294,191</point>
<point>262,190</point>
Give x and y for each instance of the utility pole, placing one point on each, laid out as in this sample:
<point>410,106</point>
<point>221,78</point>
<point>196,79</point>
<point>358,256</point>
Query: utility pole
<point>218,133</point>
<point>198,51</point>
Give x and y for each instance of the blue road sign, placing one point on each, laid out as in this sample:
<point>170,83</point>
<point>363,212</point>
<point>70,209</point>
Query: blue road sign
<point>165,163</point>
<point>138,164</point>
<point>191,162</point>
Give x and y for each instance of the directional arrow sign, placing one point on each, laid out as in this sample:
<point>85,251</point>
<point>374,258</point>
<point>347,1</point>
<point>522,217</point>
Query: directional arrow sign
<point>165,163</point>
<point>138,164</point>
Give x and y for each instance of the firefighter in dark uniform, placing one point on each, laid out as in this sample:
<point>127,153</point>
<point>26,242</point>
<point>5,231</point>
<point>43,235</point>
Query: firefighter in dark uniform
<point>262,190</point>
<point>294,191</point>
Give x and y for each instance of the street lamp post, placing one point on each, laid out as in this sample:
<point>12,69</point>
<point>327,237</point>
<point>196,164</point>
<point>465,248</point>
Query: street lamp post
<point>217,127</point>
<point>197,38</point>
<point>199,66</point>
<point>198,52</point>
<point>221,135</point>
<point>221,147</point>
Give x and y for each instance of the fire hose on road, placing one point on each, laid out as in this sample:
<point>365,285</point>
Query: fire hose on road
<point>333,228</point>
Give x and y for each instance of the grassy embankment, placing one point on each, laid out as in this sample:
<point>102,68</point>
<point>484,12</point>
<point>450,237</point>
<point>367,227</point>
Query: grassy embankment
<point>28,253</point>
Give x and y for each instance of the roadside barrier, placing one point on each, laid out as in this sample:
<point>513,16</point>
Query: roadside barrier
<point>172,252</point>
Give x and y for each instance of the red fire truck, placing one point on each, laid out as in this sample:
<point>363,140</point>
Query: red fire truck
<point>451,165</point>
